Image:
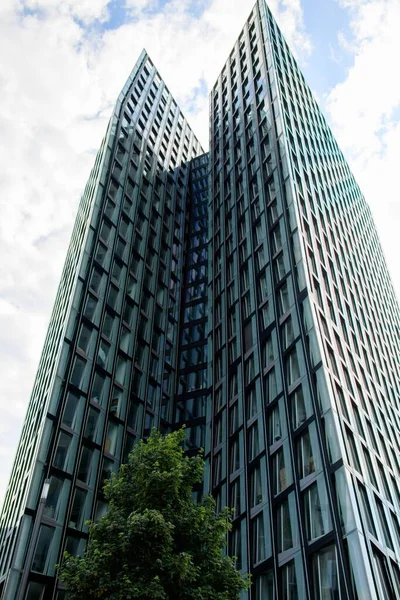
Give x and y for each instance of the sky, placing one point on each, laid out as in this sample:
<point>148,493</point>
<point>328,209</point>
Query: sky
<point>63,65</point>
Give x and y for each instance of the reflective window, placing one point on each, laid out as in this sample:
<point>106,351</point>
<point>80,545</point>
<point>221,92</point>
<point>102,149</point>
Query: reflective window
<point>42,549</point>
<point>78,371</point>
<point>280,479</point>
<point>305,456</point>
<point>98,394</point>
<point>70,410</point>
<point>84,469</point>
<point>61,455</point>
<point>256,488</point>
<point>76,518</point>
<point>316,512</point>
<point>258,539</point>
<point>53,499</point>
<point>284,527</point>
<point>264,587</point>
<point>297,408</point>
<point>84,339</point>
<point>325,575</point>
<point>288,582</point>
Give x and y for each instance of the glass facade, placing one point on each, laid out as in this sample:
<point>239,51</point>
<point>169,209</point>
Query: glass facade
<point>244,294</point>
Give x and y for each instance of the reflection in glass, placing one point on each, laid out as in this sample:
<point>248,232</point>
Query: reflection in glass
<point>42,548</point>
<point>325,576</point>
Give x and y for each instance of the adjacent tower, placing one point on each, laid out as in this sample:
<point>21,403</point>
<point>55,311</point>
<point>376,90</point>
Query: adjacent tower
<point>245,294</point>
<point>110,367</point>
<point>304,340</point>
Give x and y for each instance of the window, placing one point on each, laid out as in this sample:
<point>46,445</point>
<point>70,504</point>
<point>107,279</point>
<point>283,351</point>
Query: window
<point>235,456</point>
<point>85,464</point>
<point>90,307</point>
<point>249,369</point>
<point>292,368</point>
<point>287,333</point>
<point>283,300</point>
<point>91,424</point>
<point>284,528</point>
<point>271,388</point>
<point>101,253</point>
<point>297,408</point>
<point>103,353</point>
<point>264,586</point>
<point>251,403</point>
<point>110,445</point>
<point>105,231</point>
<point>256,490</point>
<point>254,441</point>
<point>61,456</point>
<point>40,559</point>
<point>305,457</point>
<point>248,337</point>
<point>288,582</point>
<point>217,469</point>
<point>53,499</point>
<point>70,410</point>
<point>268,352</point>
<point>35,591</point>
<point>235,497</point>
<point>259,550</point>
<point>324,574</point>
<point>280,480</point>
<point>236,550</point>
<point>78,372</point>
<point>274,426</point>
<point>316,514</point>
<point>76,518</point>
<point>99,390</point>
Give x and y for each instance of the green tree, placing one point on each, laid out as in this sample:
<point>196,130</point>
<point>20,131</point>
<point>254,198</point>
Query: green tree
<point>156,542</point>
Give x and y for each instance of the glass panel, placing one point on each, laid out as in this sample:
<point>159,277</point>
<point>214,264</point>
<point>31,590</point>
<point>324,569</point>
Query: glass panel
<point>280,479</point>
<point>285,538</point>
<point>91,423</point>
<point>256,495</point>
<point>53,497</point>
<point>259,552</point>
<point>61,455</point>
<point>111,439</point>
<point>264,585</point>
<point>70,410</point>
<point>98,389</point>
<point>35,591</point>
<point>274,426</point>
<point>102,356</point>
<point>90,307</point>
<point>325,576</point>
<point>42,548</point>
<point>305,457</point>
<point>288,582</point>
<point>316,512</point>
<point>78,371</point>
<point>78,507</point>
<point>84,465</point>
<point>297,408</point>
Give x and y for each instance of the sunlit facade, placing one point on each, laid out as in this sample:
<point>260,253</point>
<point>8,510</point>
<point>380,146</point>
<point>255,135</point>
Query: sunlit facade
<point>244,294</point>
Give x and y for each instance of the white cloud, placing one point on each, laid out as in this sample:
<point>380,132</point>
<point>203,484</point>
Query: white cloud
<point>364,112</point>
<point>86,11</point>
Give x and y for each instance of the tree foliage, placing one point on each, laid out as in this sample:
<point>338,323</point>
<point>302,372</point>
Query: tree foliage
<point>156,542</point>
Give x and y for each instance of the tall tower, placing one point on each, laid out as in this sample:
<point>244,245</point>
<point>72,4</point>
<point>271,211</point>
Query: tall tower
<point>304,339</point>
<point>245,294</point>
<point>109,367</point>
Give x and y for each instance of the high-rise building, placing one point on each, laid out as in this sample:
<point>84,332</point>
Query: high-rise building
<point>241,292</point>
